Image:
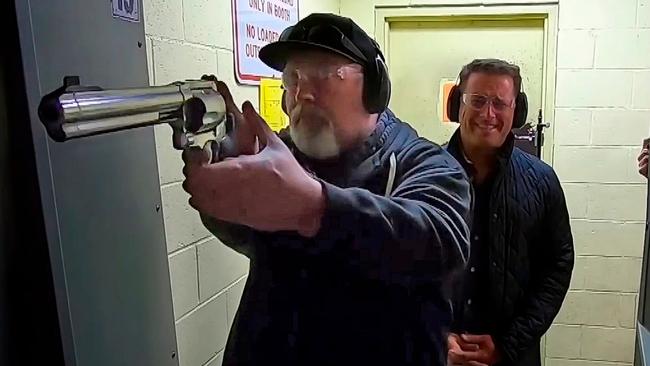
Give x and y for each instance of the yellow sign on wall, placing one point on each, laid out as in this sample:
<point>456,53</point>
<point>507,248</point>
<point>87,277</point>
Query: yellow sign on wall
<point>271,104</point>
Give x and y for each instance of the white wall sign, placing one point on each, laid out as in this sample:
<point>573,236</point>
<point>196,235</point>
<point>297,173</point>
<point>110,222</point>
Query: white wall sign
<point>257,23</point>
<point>127,10</point>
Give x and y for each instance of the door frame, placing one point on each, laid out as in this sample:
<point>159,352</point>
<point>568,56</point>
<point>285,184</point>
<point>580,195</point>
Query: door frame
<point>547,12</point>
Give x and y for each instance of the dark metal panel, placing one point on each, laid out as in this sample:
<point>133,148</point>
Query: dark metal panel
<point>101,195</point>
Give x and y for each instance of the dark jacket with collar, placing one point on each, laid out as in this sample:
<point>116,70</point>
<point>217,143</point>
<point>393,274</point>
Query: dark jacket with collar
<point>531,253</point>
<point>371,287</point>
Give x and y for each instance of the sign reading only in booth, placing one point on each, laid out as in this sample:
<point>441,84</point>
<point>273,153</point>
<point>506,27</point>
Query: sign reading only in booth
<point>255,24</point>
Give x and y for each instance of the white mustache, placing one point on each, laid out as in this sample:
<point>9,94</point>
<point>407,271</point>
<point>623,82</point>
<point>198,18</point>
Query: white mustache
<point>300,111</point>
<point>314,140</point>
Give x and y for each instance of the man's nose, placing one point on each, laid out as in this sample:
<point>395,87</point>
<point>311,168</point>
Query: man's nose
<point>488,111</point>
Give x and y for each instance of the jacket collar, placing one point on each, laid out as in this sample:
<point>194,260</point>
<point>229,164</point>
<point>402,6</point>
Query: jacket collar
<point>504,153</point>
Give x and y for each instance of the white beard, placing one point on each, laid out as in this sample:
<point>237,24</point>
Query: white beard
<point>320,145</point>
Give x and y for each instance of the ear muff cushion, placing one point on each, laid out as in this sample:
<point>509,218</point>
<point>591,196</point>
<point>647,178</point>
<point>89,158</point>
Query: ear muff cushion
<point>521,111</point>
<point>453,103</point>
<point>283,102</point>
<point>369,90</point>
<point>377,89</point>
<point>383,96</point>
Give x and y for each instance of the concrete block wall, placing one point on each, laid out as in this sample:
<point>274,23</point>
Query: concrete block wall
<point>602,116</point>
<point>185,39</point>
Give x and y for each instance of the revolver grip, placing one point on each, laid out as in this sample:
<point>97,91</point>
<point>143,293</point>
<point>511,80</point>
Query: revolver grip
<point>227,147</point>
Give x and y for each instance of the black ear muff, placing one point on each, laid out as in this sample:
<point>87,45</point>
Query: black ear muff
<point>283,102</point>
<point>377,88</point>
<point>383,97</point>
<point>521,111</point>
<point>453,104</point>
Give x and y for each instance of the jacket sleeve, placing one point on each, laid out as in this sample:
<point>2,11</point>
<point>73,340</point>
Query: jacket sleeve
<point>238,237</point>
<point>549,283</point>
<point>418,234</point>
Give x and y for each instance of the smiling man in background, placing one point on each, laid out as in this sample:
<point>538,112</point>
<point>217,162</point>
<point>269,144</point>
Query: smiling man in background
<point>521,256</point>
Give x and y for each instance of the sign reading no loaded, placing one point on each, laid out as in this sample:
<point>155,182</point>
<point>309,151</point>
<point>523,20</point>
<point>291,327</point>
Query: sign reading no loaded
<point>257,23</point>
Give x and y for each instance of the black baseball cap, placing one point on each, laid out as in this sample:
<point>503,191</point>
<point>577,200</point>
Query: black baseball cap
<point>322,31</point>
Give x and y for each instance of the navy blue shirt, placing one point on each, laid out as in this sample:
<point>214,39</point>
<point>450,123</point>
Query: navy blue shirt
<point>474,317</point>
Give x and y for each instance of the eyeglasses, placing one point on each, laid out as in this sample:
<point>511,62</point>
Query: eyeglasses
<point>317,75</point>
<point>478,101</point>
<point>328,35</point>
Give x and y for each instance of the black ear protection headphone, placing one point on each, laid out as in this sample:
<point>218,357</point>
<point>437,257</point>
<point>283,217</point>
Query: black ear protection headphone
<point>455,98</point>
<point>377,86</point>
<point>283,102</point>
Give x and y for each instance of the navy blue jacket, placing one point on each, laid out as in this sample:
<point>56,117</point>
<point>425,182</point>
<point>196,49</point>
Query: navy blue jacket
<point>371,287</point>
<point>531,253</point>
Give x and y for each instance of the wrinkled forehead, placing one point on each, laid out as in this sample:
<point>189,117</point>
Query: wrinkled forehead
<point>490,84</point>
<point>315,58</point>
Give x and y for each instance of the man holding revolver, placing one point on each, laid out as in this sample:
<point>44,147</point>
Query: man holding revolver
<point>353,224</point>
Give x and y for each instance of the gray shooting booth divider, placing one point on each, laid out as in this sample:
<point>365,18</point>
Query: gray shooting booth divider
<point>100,195</point>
